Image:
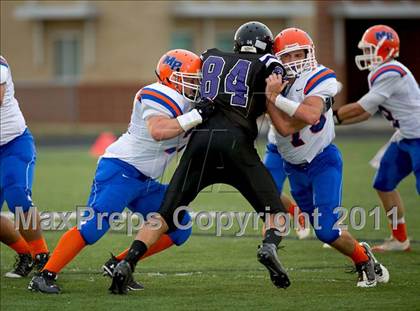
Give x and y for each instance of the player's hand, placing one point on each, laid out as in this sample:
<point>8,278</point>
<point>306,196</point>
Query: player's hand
<point>274,86</point>
<point>205,108</point>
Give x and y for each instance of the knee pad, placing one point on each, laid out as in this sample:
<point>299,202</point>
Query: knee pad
<point>180,236</point>
<point>94,229</point>
<point>17,196</point>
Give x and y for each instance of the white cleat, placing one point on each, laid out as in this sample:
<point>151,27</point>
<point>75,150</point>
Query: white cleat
<point>393,245</point>
<point>303,233</point>
<point>13,275</point>
<point>381,273</point>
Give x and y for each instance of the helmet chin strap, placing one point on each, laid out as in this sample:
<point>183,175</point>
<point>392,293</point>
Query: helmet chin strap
<point>157,75</point>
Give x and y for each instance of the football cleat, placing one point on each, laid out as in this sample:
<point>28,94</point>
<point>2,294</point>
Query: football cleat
<point>267,255</point>
<point>121,277</point>
<point>392,245</point>
<point>108,270</point>
<point>109,266</point>
<point>23,266</point>
<point>366,270</point>
<point>41,260</point>
<point>44,282</point>
<point>381,273</point>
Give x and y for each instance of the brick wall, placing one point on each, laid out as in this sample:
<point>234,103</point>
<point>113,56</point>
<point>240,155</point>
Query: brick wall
<point>80,104</point>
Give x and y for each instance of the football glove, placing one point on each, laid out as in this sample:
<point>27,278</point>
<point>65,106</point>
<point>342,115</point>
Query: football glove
<point>205,108</point>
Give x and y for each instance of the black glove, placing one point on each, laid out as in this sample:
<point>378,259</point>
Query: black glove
<point>329,102</point>
<point>205,108</point>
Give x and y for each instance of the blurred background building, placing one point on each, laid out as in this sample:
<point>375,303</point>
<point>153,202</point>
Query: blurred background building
<point>82,61</point>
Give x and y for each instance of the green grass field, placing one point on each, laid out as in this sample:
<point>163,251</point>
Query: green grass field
<point>220,273</point>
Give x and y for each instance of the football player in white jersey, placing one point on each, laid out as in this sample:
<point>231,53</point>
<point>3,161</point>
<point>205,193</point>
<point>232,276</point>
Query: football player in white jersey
<point>313,164</point>
<point>126,174</point>
<point>394,92</point>
<point>17,164</point>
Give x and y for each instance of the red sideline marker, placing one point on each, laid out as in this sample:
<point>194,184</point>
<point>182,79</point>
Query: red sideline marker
<point>101,143</point>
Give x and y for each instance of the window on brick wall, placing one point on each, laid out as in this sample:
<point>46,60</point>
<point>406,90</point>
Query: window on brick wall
<point>67,58</point>
<point>224,41</point>
<point>182,40</point>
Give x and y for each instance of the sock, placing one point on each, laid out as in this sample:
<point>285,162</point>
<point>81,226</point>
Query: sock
<point>38,246</point>
<point>136,251</point>
<point>70,244</point>
<point>20,246</point>
<point>122,255</point>
<point>163,243</point>
<point>272,236</point>
<point>400,233</point>
<point>292,209</point>
<point>359,254</point>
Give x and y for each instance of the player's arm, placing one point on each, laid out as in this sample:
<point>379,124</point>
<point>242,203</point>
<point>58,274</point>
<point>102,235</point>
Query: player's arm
<point>350,114</point>
<point>360,110</point>
<point>284,124</point>
<point>309,111</point>
<point>162,127</point>
<point>381,89</point>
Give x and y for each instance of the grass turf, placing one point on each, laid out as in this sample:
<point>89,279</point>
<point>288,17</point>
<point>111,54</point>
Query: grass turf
<point>209,272</point>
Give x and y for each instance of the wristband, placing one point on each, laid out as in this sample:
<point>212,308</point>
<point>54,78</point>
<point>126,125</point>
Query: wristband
<point>189,120</point>
<point>286,105</point>
<point>337,120</point>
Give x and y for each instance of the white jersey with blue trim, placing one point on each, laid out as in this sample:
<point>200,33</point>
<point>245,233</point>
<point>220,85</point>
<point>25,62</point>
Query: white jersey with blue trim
<point>305,145</point>
<point>401,97</point>
<point>12,122</point>
<point>136,146</point>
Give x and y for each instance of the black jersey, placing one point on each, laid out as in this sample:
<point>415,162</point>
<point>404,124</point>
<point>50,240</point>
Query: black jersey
<point>236,84</point>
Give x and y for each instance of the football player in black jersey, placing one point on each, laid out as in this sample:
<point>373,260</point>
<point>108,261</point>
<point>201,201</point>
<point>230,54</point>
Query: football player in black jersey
<point>221,150</point>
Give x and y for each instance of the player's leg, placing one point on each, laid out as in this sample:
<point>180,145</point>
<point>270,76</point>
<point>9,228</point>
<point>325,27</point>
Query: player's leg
<point>149,202</point>
<point>114,187</point>
<point>326,176</point>
<point>395,165</point>
<point>256,184</point>
<point>412,146</point>
<point>17,170</point>
<point>275,165</point>
<point>13,239</point>
<point>189,178</point>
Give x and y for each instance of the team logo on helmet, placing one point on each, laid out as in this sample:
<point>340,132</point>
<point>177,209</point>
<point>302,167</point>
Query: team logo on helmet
<point>172,62</point>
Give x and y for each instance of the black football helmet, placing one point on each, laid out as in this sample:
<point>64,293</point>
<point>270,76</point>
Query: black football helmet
<point>253,37</point>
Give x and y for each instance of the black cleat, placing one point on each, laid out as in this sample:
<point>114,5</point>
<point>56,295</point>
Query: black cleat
<point>41,260</point>
<point>44,282</point>
<point>108,270</point>
<point>23,266</point>
<point>267,255</point>
<point>109,266</point>
<point>120,278</point>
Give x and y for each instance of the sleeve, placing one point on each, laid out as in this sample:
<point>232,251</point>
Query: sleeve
<point>323,84</point>
<point>272,65</point>
<point>371,101</point>
<point>4,74</point>
<point>156,103</point>
<point>386,84</point>
<point>327,88</point>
